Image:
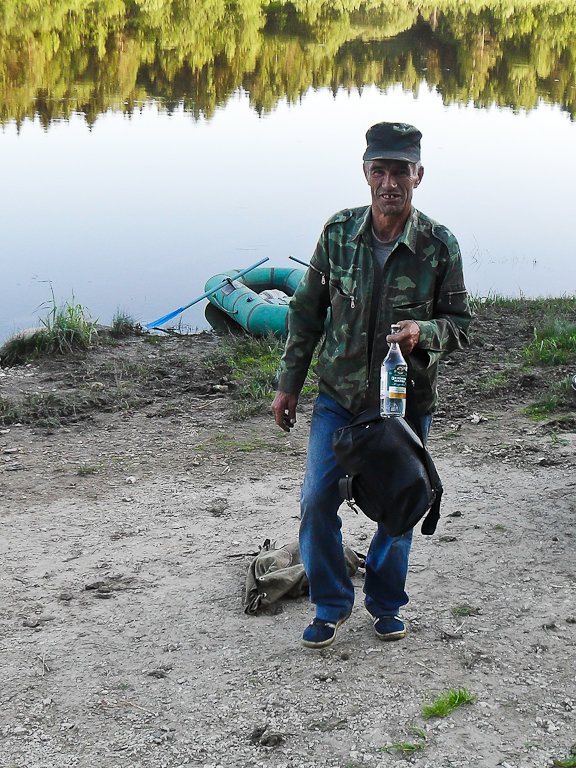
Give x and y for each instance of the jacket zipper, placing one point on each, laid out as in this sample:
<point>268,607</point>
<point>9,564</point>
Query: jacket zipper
<point>319,271</point>
<point>455,294</point>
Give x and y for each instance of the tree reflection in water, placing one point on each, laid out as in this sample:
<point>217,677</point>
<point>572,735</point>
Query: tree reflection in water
<point>59,57</point>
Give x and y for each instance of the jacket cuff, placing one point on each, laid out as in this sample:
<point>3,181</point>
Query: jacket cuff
<point>428,334</point>
<point>289,383</point>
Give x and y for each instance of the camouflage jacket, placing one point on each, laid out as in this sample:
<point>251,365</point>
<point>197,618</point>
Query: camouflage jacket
<point>422,281</point>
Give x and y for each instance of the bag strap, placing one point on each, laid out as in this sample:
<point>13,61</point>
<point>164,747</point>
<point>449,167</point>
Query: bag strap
<point>431,519</point>
<point>346,491</point>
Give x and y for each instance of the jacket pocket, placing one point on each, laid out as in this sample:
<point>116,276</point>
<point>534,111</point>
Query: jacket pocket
<point>412,310</point>
<point>342,296</point>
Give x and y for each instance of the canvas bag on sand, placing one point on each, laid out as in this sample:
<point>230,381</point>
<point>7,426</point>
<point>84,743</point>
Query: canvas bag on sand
<point>278,573</point>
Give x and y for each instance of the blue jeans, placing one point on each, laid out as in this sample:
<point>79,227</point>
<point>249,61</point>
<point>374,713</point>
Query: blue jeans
<point>331,588</point>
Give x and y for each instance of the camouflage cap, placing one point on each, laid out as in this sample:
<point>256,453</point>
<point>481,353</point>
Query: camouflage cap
<point>393,141</point>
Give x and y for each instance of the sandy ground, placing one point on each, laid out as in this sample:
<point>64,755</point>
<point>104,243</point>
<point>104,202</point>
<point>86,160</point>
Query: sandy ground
<point>126,538</point>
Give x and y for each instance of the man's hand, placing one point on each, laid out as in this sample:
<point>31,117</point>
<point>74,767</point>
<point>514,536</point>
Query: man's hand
<point>408,336</point>
<point>284,410</point>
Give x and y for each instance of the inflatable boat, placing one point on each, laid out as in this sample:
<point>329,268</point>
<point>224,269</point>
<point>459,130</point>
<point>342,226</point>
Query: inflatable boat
<point>257,301</point>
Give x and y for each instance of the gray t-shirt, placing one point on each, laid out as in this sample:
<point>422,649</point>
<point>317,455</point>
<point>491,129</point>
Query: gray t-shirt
<point>381,251</point>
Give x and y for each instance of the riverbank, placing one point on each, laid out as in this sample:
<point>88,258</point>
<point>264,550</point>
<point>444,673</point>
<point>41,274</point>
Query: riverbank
<point>132,502</point>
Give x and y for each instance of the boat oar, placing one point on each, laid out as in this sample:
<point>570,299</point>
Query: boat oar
<point>298,260</point>
<point>165,318</point>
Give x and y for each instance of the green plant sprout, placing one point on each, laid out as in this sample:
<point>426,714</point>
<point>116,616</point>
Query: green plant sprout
<point>447,702</point>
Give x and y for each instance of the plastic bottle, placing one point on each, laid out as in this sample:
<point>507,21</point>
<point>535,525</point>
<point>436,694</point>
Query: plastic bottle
<point>393,376</point>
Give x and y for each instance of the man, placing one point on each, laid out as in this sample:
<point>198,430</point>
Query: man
<point>373,266</point>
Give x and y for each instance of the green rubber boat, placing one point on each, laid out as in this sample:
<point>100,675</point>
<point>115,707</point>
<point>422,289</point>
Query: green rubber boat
<point>252,301</point>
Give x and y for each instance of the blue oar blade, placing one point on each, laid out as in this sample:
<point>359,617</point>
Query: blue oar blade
<point>162,320</point>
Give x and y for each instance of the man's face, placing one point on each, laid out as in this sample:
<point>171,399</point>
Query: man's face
<point>392,183</point>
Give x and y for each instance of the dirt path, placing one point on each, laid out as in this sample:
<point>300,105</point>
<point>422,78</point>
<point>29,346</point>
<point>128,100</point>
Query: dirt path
<point>126,540</point>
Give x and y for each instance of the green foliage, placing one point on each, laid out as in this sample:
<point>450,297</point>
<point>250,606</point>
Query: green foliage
<point>459,611</point>
<point>568,762</point>
<point>554,343</point>
<point>403,748</point>
<point>68,328</point>
<point>61,57</point>
<point>40,409</point>
<point>543,408</point>
<point>447,702</point>
<point>8,411</point>
<point>65,329</point>
<point>87,469</point>
<point>498,380</point>
<point>550,306</point>
<point>478,303</point>
<point>251,363</point>
<point>25,346</point>
<point>406,747</point>
<point>123,325</point>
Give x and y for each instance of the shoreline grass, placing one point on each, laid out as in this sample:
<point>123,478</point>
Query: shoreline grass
<point>247,366</point>
<point>551,305</point>
<point>124,325</point>
<point>66,328</point>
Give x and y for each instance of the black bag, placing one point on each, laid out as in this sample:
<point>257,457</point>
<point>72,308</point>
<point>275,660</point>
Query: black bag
<point>389,473</point>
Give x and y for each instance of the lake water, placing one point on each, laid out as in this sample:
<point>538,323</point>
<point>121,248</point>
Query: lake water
<point>131,173</point>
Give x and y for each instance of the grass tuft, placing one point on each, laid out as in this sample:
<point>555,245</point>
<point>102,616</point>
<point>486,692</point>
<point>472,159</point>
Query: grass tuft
<point>251,363</point>
<point>66,328</point>
<point>9,412</point>
<point>87,469</point>
<point>403,748</point>
<point>498,380</point>
<point>554,343</point>
<point>47,409</point>
<point>544,408</point>
<point>406,747</point>
<point>561,397</point>
<point>447,702</point>
<point>123,325</point>
<point>567,762</point>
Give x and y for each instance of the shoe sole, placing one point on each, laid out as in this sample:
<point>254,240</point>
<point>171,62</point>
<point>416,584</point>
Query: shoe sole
<point>325,643</point>
<point>392,635</point>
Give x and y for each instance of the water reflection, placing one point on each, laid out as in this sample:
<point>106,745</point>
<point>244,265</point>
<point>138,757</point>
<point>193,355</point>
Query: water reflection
<point>136,213</point>
<point>66,56</point>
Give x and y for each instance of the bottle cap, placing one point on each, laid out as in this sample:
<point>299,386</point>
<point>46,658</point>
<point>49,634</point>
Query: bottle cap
<point>394,328</point>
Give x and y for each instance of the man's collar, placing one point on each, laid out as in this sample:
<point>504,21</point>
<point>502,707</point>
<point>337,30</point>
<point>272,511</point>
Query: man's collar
<point>363,224</point>
<point>408,236</point>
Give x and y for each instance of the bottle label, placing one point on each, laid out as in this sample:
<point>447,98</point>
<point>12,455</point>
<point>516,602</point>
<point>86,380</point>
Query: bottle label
<point>397,381</point>
<point>393,391</point>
